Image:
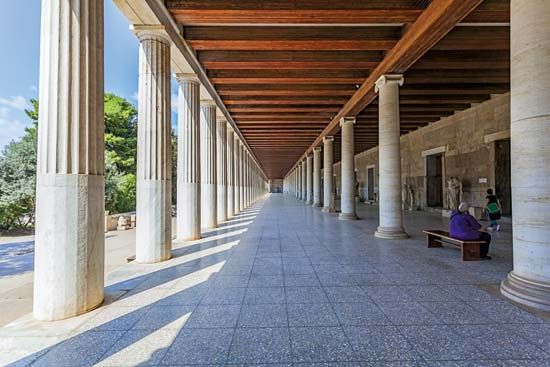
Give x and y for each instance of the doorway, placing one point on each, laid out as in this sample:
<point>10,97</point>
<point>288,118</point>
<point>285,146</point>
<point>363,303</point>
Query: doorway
<point>370,184</point>
<point>502,175</point>
<point>434,180</point>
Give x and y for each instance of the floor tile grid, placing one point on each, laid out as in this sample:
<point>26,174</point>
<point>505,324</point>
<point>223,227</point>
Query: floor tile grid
<point>435,314</point>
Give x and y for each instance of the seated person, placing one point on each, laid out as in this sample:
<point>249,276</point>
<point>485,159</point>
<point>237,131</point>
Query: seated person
<point>466,228</point>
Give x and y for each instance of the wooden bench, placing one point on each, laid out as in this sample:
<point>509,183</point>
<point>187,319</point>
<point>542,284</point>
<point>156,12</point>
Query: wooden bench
<point>470,249</point>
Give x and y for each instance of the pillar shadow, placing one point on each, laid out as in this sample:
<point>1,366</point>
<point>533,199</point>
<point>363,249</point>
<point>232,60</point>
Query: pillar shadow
<point>109,338</point>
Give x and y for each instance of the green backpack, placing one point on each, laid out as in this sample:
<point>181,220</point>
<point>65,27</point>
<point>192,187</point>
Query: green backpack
<point>493,208</point>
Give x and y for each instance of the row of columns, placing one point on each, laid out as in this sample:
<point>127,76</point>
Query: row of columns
<point>529,282</point>
<point>305,180</point>
<point>216,174</point>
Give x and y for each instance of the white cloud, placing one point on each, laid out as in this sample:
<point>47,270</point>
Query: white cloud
<point>17,102</point>
<point>34,88</point>
<point>11,128</point>
<point>135,95</point>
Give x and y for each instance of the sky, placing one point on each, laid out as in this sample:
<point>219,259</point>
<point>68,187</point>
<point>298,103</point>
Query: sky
<point>20,57</point>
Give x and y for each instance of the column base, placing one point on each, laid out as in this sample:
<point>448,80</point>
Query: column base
<point>347,216</point>
<point>309,202</point>
<point>529,292</point>
<point>187,238</point>
<point>389,233</point>
<point>317,205</point>
<point>327,209</point>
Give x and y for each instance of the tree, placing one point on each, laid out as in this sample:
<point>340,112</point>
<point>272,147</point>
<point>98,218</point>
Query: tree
<point>120,154</point>
<point>18,176</point>
<point>18,165</point>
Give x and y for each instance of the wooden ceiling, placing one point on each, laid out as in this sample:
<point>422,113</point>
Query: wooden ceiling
<point>288,69</point>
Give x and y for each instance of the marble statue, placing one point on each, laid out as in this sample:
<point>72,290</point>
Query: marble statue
<point>454,193</point>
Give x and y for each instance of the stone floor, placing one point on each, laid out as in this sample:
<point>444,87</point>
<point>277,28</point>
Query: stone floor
<point>17,265</point>
<point>286,284</point>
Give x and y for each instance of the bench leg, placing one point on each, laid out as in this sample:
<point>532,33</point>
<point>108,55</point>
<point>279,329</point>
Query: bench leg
<point>471,252</point>
<point>432,241</point>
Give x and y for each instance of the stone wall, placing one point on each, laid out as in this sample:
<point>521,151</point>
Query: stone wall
<point>466,140</point>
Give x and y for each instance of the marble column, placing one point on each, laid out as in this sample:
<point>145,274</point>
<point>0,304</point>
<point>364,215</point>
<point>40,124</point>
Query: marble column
<point>230,173</point>
<point>154,148</point>
<point>347,197</point>
<point>304,180</point>
<point>389,153</point>
<point>328,161</point>
<point>242,173</point>
<point>299,179</point>
<point>529,282</point>
<point>317,177</point>
<point>237,159</point>
<point>188,220</point>
<point>209,181</point>
<point>221,164</point>
<point>70,239</point>
<point>309,179</point>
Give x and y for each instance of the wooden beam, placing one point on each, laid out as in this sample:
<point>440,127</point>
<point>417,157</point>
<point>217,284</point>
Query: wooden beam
<point>431,26</point>
<point>287,80</point>
<point>285,101</point>
<point>194,17</point>
<point>306,65</point>
<point>293,45</point>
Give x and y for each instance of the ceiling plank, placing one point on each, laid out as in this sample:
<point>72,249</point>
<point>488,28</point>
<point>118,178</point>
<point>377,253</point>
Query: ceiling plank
<point>202,17</point>
<point>430,27</point>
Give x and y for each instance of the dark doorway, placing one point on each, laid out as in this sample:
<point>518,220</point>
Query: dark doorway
<point>434,180</point>
<point>370,184</point>
<point>502,175</point>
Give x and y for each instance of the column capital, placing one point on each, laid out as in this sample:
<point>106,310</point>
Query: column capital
<point>317,149</point>
<point>309,156</point>
<point>328,138</point>
<point>151,31</point>
<point>208,103</point>
<point>221,118</point>
<point>347,120</point>
<point>387,79</point>
<point>186,77</point>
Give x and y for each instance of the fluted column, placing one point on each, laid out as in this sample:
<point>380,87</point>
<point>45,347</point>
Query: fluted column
<point>328,161</point>
<point>70,240</point>
<point>209,208</point>
<point>304,180</point>
<point>242,174</point>
<point>221,163</point>
<point>154,148</point>
<point>317,177</point>
<point>188,220</point>
<point>529,282</point>
<point>299,180</point>
<point>389,152</point>
<point>230,173</point>
<point>347,197</point>
<point>246,175</point>
<point>237,160</point>
<point>309,179</point>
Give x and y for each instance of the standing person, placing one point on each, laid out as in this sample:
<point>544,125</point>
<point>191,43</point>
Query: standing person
<point>492,207</point>
<point>466,228</point>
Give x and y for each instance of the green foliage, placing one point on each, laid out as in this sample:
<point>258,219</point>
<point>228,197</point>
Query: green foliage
<point>18,176</point>
<point>120,154</point>
<point>18,165</point>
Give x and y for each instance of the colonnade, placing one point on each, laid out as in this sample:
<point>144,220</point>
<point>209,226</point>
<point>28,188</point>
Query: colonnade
<point>216,174</point>
<point>529,281</point>
<point>304,181</point>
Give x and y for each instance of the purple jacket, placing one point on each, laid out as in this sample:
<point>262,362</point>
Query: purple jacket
<point>464,226</point>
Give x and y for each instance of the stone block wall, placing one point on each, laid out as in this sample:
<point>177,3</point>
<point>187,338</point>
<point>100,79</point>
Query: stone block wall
<point>466,140</point>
